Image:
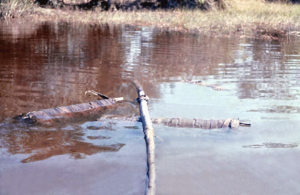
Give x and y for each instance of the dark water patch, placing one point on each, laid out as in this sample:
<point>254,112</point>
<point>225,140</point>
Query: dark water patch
<point>97,137</point>
<point>94,128</point>
<point>131,127</point>
<point>108,126</point>
<point>272,145</point>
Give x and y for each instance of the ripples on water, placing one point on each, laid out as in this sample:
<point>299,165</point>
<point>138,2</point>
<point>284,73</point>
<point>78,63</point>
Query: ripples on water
<point>49,65</point>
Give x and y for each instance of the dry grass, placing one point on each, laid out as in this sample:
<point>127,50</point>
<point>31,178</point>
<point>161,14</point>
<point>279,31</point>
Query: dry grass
<point>16,8</point>
<point>262,14</point>
<point>241,17</point>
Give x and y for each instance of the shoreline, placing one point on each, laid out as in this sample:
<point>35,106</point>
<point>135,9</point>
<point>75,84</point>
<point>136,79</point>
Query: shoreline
<point>253,19</point>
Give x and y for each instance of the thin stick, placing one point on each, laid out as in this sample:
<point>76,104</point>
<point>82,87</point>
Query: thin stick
<point>104,96</point>
<point>148,132</point>
<point>96,93</point>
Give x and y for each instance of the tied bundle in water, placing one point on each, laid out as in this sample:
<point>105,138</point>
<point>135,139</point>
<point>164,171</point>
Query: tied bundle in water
<point>199,123</point>
<point>188,123</point>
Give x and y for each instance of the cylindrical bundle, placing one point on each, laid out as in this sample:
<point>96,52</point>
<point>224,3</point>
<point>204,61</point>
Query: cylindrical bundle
<point>68,113</point>
<point>199,123</point>
<point>181,122</point>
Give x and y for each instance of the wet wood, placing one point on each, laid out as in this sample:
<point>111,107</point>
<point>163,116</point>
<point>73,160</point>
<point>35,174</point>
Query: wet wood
<point>149,137</point>
<point>75,112</point>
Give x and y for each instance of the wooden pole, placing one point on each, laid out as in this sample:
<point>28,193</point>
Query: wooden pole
<point>149,137</point>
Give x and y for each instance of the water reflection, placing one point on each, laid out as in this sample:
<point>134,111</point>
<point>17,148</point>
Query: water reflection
<point>42,145</point>
<point>52,65</point>
<point>46,65</point>
<point>56,64</point>
<point>266,71</point>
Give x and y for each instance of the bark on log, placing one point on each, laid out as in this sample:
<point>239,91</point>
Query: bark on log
<point>148,132</point>
<point>67,113</point>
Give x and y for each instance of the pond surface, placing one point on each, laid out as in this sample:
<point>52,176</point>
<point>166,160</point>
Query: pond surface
<point>47,65</point>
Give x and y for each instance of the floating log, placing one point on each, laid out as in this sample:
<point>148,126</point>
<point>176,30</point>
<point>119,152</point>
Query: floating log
<point>148,135</point>
<point>199,123</point>
<point>75,112</point>
<point>189,123</point>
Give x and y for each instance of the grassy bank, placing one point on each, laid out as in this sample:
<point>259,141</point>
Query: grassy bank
<point>240,18</point>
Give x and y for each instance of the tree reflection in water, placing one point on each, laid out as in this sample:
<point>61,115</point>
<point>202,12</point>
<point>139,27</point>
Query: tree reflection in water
<point>45,144</point>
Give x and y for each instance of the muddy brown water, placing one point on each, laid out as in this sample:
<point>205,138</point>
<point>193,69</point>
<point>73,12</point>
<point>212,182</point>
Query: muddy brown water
<point>45,65</point>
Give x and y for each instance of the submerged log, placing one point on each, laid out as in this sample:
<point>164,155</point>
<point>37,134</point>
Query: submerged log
<point>68,113</point>
<point>148,132</point>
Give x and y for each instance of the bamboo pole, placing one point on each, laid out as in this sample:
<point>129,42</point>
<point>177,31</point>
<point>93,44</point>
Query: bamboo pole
<point>148,135</point>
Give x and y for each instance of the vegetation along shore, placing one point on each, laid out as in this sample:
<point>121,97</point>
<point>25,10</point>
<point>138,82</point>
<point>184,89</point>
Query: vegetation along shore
<point>264,19</point>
